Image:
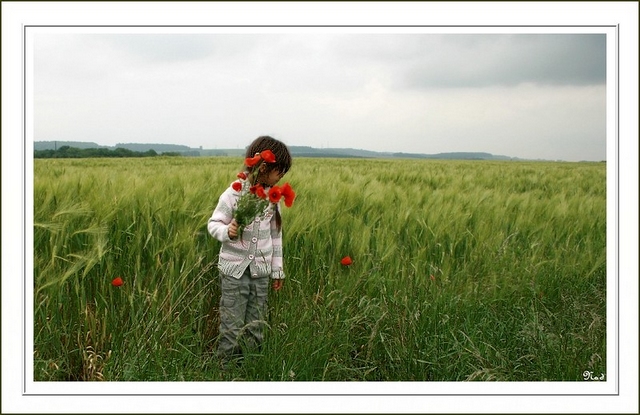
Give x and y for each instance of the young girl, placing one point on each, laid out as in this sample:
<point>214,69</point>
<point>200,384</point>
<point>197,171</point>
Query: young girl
<point>246,261</point>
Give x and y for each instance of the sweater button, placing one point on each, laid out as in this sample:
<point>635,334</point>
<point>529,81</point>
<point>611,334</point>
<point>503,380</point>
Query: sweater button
<point>254,239</point>
<point>251,256</point>
<point>257,220</point>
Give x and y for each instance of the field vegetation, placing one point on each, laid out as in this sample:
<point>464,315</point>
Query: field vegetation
<point>462,270</point>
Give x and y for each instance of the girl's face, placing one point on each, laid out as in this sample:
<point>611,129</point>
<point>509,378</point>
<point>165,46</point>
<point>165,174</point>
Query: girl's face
<point>271,178</point>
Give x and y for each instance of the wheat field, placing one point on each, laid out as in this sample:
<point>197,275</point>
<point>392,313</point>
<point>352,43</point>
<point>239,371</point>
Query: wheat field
<point>462,271</point>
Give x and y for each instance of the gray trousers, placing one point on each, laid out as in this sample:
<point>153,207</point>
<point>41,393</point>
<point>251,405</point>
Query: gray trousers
<point>243,310</point>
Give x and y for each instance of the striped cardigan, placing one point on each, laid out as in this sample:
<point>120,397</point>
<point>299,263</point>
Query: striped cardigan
<point>260,245</point>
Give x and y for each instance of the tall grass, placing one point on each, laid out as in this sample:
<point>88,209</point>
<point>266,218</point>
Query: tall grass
<point>462,271</point>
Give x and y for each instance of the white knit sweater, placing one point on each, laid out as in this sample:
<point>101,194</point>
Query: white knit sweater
<point>259,247</point>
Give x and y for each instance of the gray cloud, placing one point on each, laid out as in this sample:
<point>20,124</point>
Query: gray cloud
<point>183,47</point>
<point>467,60</point>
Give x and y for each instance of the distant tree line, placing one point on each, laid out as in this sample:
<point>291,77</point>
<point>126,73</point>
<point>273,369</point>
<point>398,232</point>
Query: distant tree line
<point>162,148</point>
<point>73,152</point>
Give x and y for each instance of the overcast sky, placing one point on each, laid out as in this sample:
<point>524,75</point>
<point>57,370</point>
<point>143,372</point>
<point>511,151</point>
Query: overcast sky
<point>520,95</point>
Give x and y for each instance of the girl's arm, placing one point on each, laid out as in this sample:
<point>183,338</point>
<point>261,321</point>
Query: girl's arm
<point>277,263</point>
<point>218,224</point>
<point>277,272</point>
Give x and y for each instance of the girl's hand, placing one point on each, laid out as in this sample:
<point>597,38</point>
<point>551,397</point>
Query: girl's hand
<point>277,285</point>
<point>233,229</point>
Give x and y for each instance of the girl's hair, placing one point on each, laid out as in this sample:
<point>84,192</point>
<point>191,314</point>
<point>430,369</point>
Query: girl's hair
<point>278,148</point>
<point>282,164</point>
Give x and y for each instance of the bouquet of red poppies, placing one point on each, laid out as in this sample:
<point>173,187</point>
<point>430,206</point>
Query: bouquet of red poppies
<point>255,200</point>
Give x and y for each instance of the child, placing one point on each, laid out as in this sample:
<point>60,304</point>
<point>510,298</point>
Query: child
<point>247,261</point>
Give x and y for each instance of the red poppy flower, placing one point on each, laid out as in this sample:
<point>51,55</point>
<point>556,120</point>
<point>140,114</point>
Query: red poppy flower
<point>252,161</point>
<point>237,186</point>
<point>260,192</point>
<point>268,156</point>
<point>346,261</point>
<point>242,175</point>
<point>288,194</point>
<point>275,194</point>
<point>117,282</point>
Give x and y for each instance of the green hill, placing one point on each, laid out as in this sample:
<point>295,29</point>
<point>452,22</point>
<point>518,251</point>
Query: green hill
<point>296,151</point>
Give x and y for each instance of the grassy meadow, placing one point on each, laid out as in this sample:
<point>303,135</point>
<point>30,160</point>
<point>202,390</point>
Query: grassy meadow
<point>462,270</point>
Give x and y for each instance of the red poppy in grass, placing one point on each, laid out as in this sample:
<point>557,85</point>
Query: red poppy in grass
<point>237,186</point>
<point>288,194</point>
<point>268,156</point>
<point>275,194</point>
<point>242,175</point>
<point>117,282</point>
<point>346,261</point>
<point>252,161</point>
